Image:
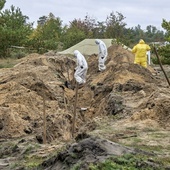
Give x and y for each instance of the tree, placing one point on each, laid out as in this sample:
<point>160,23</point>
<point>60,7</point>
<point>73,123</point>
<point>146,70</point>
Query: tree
<point>100,30</point>
<point>13,29</point>
<point>47,34</point>
<point>164,51</point>
<point>73,34</point>
<point>42,20</point>
<point>2,3</point>
<point>152,34</point>
<point>115,26</point>
<point>166,26</point>
<point>138,33</point>
<point>81,29</point>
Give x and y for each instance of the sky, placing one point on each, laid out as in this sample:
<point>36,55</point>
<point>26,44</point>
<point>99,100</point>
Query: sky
<point>136,12</point>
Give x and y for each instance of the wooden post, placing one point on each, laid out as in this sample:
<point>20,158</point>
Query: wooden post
<point>161,66</point>
<point>75,105</point>
<point>68,70</point>
<point>44,121</point>
<point>65,103</point>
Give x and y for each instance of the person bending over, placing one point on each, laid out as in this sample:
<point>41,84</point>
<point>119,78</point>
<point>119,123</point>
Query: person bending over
<point>102,56</point>
<point>81,68</point>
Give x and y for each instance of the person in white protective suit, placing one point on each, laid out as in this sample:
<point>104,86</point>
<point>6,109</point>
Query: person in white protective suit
<point>148,53</point>
<point>102,54</point>
<point>81,69</point>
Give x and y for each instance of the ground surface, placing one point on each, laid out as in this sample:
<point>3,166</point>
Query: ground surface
<point>126,105</point>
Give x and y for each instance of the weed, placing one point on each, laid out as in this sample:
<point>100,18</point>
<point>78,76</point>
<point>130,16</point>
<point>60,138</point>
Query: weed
<point>76,167</point>
<point>126,162</point>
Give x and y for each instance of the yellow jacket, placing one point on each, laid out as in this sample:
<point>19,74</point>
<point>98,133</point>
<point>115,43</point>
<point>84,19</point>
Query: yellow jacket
<point>140,49</point>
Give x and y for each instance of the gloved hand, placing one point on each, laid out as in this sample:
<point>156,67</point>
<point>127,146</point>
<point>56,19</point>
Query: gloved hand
<point>81,67</point>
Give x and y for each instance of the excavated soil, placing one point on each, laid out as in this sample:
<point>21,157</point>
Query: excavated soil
<point>44,85</point>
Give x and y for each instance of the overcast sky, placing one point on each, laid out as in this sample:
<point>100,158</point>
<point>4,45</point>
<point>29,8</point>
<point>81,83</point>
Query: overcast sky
<point>142,12</point>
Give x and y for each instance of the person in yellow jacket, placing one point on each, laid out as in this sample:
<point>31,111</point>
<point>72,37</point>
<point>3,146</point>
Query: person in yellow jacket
<point>140,51</point>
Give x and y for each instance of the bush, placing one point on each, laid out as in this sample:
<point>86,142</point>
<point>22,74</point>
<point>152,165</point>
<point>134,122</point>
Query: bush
<point>164,53</point>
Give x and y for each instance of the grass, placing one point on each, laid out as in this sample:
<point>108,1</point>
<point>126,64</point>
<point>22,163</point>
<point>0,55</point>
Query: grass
<point>33,161</point>
<point>7,149</point>
<point>159,135</point>
<point>127,162</point>
<point>76,167</point>
<point>29,162</point>
<point>8,62</point>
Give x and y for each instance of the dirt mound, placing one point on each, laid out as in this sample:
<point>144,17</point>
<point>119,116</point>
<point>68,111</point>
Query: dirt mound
<point>23,90</point>
<point>38,84</point>
<point>157,107</point>
<point>86,152</point>
<point>120,55</point>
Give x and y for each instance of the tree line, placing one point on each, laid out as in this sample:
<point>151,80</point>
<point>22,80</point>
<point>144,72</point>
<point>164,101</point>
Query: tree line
<point>50,34</point>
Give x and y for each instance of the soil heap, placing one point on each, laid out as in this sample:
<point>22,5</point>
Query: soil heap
<point>41,84</point>
<point>124,88</point>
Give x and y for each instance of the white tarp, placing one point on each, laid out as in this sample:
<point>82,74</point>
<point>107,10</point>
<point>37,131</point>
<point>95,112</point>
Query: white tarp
<point>86,47</point>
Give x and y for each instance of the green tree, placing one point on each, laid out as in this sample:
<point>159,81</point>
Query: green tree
<point>115,26</point>
<point>47,34</point>
<point>152,34</point>
<point>164,51</point>
<point>73,34</point>
<point>138,33</point>
<point>100,30</point>
<point>2,3</point>
<point>166,26</point>
<point>13,29</point>
<point>42,20</point>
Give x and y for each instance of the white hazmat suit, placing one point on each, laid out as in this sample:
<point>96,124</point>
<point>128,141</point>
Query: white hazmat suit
<point>81,69</point>
<point>102,54</point>
<point>148,53</point>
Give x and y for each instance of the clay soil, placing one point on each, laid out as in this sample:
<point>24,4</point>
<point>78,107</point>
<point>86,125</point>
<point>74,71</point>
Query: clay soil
<point>126,104</point>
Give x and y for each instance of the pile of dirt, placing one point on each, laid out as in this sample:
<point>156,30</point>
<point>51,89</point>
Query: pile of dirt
<point>156,107</point>
<point>42,84</point>
<point>24,89</point>
<point>119,54</point>
<point>42,87</point>
<point>89,151</point>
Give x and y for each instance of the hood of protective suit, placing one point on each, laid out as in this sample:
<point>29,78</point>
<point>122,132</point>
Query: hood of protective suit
<point>97,41</point>
<point>141,41</point>
<point>76,52</point>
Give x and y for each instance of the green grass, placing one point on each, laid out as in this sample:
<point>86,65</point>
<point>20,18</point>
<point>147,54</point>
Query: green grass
<point>33,161</point>
<point>127,162</point>
<point>8,63</point>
